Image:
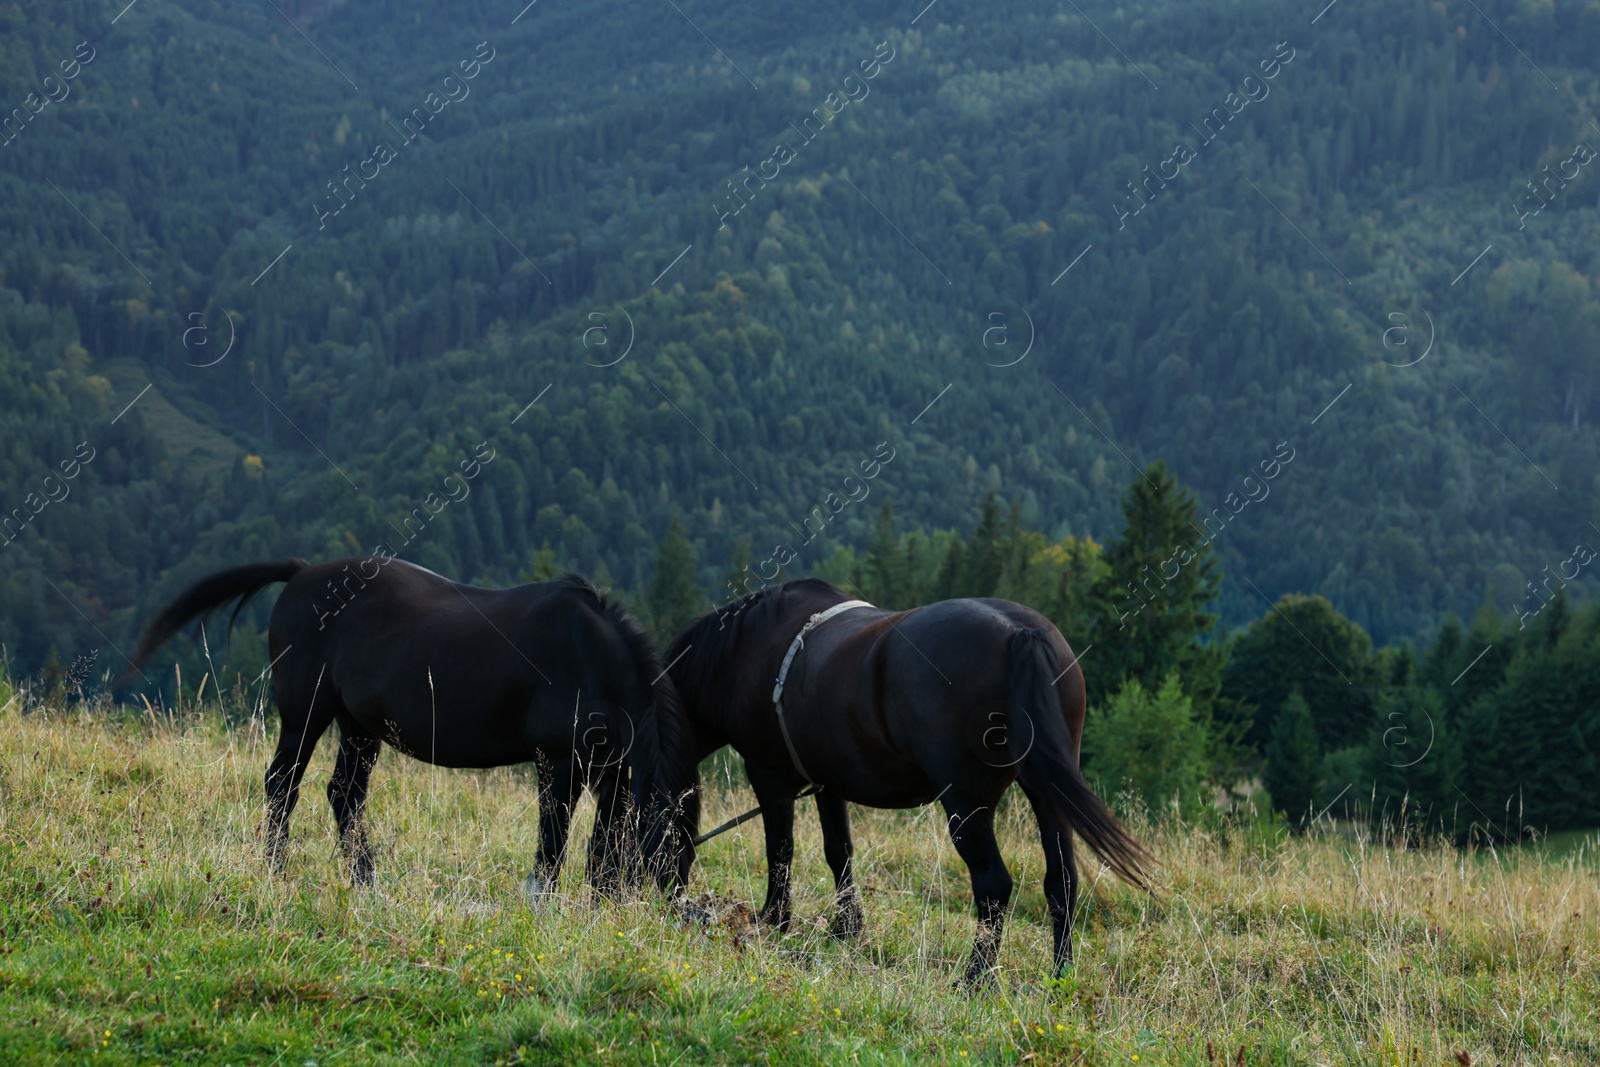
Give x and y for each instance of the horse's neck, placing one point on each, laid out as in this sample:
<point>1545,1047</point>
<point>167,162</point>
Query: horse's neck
<point>744,659</point>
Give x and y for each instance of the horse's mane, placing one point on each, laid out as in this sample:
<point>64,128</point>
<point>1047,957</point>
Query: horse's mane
<point>709,640</point>
<point>666,740</point>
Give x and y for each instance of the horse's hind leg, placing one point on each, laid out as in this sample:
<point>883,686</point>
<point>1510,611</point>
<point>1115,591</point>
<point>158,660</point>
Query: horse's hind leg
<point>1060,877</point>
<point>296,742</point>
<point>972,831</point>
<point>559,788</point>
<point>347,792</point>
<point>834,814</point>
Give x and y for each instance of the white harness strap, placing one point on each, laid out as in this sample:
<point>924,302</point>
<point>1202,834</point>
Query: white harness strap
<point>783,673</point>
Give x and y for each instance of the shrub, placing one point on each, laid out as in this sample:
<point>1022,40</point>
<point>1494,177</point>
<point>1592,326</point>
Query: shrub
<point>1153,744</point>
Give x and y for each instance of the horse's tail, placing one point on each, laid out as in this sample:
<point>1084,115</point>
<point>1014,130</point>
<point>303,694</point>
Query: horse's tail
<point>1047,765</point>
<point>208,594</point>
<point>662,757</point>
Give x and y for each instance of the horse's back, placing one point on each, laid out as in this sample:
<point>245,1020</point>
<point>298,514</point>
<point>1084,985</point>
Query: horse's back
<point>456,674</point>
<point>913,698</point>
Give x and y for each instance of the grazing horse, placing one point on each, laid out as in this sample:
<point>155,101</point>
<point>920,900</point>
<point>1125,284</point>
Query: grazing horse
<point>459,676</point>
<point>948,702</point>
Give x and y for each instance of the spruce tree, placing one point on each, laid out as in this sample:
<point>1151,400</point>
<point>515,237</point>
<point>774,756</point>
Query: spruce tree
<point>1466,666</point>
<point>1150,608</point>
<point>886,580</point>
<point>1293,760</point>
<point>975,568</point>
<point>675,597</point>
<point>987,554</point>
<point>1532,761</point>
<point>949,578</point>
<point>1414,764</point>
<point>738,579</point>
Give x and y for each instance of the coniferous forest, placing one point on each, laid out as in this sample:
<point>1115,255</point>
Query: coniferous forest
<point>1231,335</point>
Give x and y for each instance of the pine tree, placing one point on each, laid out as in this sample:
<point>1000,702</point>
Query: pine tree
<point>1414,764</point>
<point>1531,762</point>
<point>886,579</point>
<point>675,596</point>
<point>974,568</point>
<point>949,577</point>
<point>917,565</point>
<point>987,554</point>
<point>738,575</point>
<point>1293,760</point>
<point>1150,609</point>
<point>1467,666</point>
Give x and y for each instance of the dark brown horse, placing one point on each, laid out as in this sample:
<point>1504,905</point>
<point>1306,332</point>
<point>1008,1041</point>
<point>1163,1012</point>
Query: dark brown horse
<point>948,702</point>
<point>458,676</point>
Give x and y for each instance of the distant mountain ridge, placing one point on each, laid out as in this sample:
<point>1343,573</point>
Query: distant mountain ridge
<point>1280,286</point>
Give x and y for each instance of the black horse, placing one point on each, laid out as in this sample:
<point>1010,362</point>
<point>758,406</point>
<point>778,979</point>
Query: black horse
<point>459,676</point>
<point>948,702</point>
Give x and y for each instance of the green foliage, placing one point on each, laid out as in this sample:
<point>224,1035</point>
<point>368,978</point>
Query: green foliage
<point>1154,743</point>
<point>1341,775</point>
<point>1304,646</point>
<point>737,576</point>
<point>890,569</point>
<point>787,340</point>
<point>794,335</point>
<point>973,568</point>
<point>675,599</point>
<point>1488,732</point>
<point>544,567</point>
<point>1002,558</point>
<point>1151,614</point>
<point>1293,756</point>
<point>1072,581</point>
<point>1413,764</point>
<point>1534,751</point>
<point>1379,733</point>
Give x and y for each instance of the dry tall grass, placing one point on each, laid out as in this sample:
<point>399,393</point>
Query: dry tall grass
<point>139,925</point>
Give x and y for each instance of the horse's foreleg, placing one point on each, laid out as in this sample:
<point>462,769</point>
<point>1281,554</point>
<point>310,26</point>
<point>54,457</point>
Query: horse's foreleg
<point>972,831</point>
<point>834,814</point>
<point>1060,878</point>
<point>608,852</point>
<point>295,745</point>
<point>559,787</point>
<point>347,792</point>
<point>777,818</point>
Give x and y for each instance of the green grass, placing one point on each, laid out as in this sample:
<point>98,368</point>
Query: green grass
<point>138,925</point>
<point>1569,843</point>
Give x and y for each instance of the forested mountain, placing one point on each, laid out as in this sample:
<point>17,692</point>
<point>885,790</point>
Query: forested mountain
<point>635,259</point>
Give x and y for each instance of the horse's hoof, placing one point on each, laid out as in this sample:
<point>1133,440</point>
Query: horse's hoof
<point>535,888</point>
<point>978,980</point>
<point>846,926</point>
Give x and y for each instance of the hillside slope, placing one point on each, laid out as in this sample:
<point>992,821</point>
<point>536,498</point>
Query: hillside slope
<point>323,240</point>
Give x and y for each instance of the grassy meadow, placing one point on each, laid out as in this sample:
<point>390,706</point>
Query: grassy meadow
<point>138,925</point>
